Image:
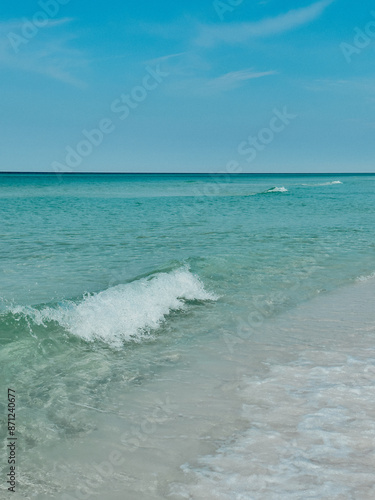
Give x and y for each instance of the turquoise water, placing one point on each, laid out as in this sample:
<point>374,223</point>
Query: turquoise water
<point>111,283</point>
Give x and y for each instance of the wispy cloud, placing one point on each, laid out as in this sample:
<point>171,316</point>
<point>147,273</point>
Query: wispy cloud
<point>343,86</point>
<point>206,86</point>
<point>165,59</point>
<point>17,24</point>
<point>234,79</point>
<point>50,56</point>
<point>236,33</point>
<point>197,75</point>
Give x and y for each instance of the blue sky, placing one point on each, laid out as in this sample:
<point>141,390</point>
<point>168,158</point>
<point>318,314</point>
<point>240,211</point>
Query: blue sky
<point>196,86</point>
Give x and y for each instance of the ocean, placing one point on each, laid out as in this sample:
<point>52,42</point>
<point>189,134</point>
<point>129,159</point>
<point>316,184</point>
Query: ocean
<point>188,336</point>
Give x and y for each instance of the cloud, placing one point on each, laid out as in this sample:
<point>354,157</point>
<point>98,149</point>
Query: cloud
<point>344,86</point>
<point>203,85</point>
<point>18,24</point>
<point>237,33</point>
<point>235,78</point>
<point>194,74</point>
<point>164,59</point>
<point>50,56</point>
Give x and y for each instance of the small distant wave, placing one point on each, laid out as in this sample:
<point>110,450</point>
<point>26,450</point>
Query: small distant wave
<point>324,183</point>
<point>126,312</point>
<point>275,189</point>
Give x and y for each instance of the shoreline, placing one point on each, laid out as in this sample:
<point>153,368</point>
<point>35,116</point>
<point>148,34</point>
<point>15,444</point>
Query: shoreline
<point>312,419</point>
<point>170,434</point>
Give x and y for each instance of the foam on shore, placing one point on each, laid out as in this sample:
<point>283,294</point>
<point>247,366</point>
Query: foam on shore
<point>311,420</point>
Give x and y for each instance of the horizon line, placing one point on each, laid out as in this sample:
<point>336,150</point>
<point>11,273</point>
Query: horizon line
<point>19,172</point>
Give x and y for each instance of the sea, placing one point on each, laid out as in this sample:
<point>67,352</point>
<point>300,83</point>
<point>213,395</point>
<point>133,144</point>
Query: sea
<point>188,336</point>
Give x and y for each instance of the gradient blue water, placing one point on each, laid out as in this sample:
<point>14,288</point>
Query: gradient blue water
<point>101,275</point>
<point>61,238</point>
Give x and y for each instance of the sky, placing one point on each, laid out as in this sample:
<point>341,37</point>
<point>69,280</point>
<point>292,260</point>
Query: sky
<point>210,86</point>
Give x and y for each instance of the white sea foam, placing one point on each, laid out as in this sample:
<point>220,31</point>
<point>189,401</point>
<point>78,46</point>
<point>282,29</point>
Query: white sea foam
<point>124,312</point>
<point>311,436</point>
<point>367,277</point>
<point>324,183</point>
<point>276,189</point>
<point>329,183</point>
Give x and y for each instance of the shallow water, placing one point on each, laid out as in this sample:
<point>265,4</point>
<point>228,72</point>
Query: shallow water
<point>135,316</point>
<point>310,412</point>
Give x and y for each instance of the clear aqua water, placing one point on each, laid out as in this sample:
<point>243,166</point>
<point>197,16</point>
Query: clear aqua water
<point>104,278</point>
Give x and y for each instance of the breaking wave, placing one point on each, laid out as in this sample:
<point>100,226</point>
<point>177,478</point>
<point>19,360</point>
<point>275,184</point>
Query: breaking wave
<point>127,312</point>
